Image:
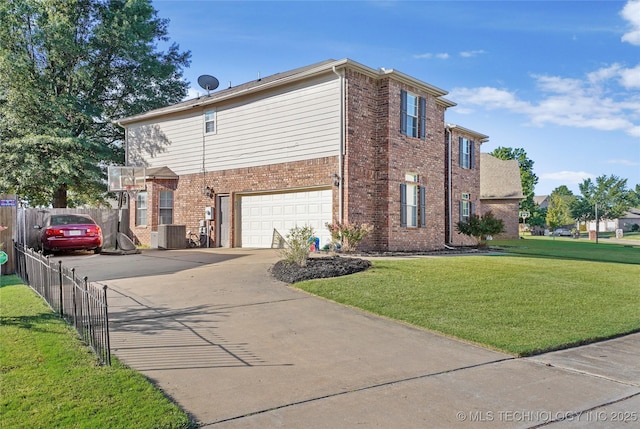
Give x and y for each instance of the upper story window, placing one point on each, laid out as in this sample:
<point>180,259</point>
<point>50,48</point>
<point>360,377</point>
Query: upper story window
<point>413,111</point>
<point>165,207</point>
<point>141,209</point>
<point>210,121</point>
<point>467,155</point>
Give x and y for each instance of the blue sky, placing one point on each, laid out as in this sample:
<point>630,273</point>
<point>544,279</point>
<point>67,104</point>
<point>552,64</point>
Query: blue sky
<point>560,79</point>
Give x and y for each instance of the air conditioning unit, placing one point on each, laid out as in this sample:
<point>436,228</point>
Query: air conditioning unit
<point>172,236</point>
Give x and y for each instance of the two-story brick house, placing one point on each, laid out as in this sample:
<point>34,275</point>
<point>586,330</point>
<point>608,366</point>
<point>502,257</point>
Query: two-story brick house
<point>335,141</point>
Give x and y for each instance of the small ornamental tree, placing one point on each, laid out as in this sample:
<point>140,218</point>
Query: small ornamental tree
<point>480,227</point>
<point>349,235</point>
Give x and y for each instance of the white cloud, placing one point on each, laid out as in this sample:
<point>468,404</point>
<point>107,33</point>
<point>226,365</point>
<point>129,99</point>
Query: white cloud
<point>595,102</point>
<point>568,177</point>
<point>429,55</point>
<point>625,162</point>
<point>469,54</point>
<point>193,93</point>
<point>630,78</point>
<point>631,12</point>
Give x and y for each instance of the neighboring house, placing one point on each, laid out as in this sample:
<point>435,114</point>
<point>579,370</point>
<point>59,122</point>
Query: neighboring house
<point>501,191</point>
<point>624,222</point>
<point>542,201</point>
<point>335,141</point>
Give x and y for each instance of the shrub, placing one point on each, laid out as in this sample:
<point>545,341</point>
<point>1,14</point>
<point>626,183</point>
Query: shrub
<point>296,249</point>
<point>349,235</point>
<point>635,227</point>
<point>481,226</point>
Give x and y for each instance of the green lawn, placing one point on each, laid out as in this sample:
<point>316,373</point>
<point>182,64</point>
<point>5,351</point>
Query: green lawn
<point>48,379</point>
<point>544,295</point>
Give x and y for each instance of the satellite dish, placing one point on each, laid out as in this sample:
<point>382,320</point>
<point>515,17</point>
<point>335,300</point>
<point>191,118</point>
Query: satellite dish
<point>208,82</point>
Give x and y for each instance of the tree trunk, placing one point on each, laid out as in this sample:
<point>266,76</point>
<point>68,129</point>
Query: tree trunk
<point>60,197</point>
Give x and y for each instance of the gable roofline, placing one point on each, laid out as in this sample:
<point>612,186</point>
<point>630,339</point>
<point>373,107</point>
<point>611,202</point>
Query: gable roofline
<point>285,78</point>
<point>481,137</point>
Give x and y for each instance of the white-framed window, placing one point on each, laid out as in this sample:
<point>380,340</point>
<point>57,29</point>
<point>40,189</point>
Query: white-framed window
<point>165,207</point>
<point>466,153</point>
<point>412,115</point>
<point>210,121</point>
<point>409,201</point>
<point>466,207</point>
<point>141,209</point>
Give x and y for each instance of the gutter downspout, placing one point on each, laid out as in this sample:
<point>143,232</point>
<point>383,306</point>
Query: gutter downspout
<point>449,186</point>
<point>342,134</point>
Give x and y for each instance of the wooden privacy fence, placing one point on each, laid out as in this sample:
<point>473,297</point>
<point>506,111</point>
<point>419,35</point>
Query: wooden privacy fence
<point>106,218</point>
<point>8,208</point>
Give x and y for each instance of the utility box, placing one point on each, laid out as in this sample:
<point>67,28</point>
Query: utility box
<point>154,240</point>
<point>208,213</point>
<point>172,236</point>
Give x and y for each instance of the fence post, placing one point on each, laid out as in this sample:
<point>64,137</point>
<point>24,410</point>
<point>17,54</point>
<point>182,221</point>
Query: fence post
<point>75,302</point>
<point>106,325</point>
<point>61,291</point>
<point>88,314</point>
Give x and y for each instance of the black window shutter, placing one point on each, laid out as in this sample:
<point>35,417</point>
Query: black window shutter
<point>472,155</point>
<point>423,206</point>
<point>461,143</point>
<point>403,112</point>
<point>472,210</point>
<point>403,204</point>
<point>423,118</point>
<point>461,216</point>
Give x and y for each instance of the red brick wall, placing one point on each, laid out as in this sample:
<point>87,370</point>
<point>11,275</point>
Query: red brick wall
<point>189,199</point>
<point>463,180</point>
<point>378,158</point>
<point>507,210</point>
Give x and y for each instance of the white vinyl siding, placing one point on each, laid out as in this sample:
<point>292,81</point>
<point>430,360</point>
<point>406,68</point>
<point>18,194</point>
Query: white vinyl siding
<point>299,123</point>
<point>262,214</point>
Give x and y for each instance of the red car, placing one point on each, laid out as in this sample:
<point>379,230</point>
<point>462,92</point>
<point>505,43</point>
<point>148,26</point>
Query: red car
<point>64,232</point>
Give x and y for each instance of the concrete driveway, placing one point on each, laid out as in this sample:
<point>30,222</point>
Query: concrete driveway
<point>236,348</point>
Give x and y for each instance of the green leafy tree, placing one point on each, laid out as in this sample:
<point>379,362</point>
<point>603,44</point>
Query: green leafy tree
<point>480,227</point>
<point>538,217</point>
<point>527,176</point>
<point>68,69</point>
<point>559,209</point>
<point>608,193</point>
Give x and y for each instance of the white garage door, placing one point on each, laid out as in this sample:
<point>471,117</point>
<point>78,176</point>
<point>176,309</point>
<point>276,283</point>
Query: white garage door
<point>261,214</point>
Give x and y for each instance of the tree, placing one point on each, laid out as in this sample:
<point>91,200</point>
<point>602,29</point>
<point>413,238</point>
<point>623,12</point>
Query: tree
<point>609,194</point>
<point>480,227</point>
<point>528,178</point>
<point>68,69</point>
<point>559,209</point>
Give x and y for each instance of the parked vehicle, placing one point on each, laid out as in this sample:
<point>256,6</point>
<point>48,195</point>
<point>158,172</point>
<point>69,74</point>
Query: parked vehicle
<point>65,232</point>
<point>562,232</point>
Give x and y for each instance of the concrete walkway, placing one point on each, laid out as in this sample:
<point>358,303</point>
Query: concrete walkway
<point>238,349</point>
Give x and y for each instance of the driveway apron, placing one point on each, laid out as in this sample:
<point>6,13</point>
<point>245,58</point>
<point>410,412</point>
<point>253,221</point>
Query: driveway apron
<point>236,348</point>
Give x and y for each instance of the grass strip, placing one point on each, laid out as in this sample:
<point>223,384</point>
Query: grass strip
<point>48,378</point>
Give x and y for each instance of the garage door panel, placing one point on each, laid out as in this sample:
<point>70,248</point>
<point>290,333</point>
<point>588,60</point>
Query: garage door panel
<point>261,214</point>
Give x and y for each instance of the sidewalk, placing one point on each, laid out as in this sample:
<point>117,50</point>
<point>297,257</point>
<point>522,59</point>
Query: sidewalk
<point>236,348</point>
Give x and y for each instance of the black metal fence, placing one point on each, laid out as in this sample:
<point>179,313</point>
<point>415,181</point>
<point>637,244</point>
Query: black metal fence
<point>82,304</point>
